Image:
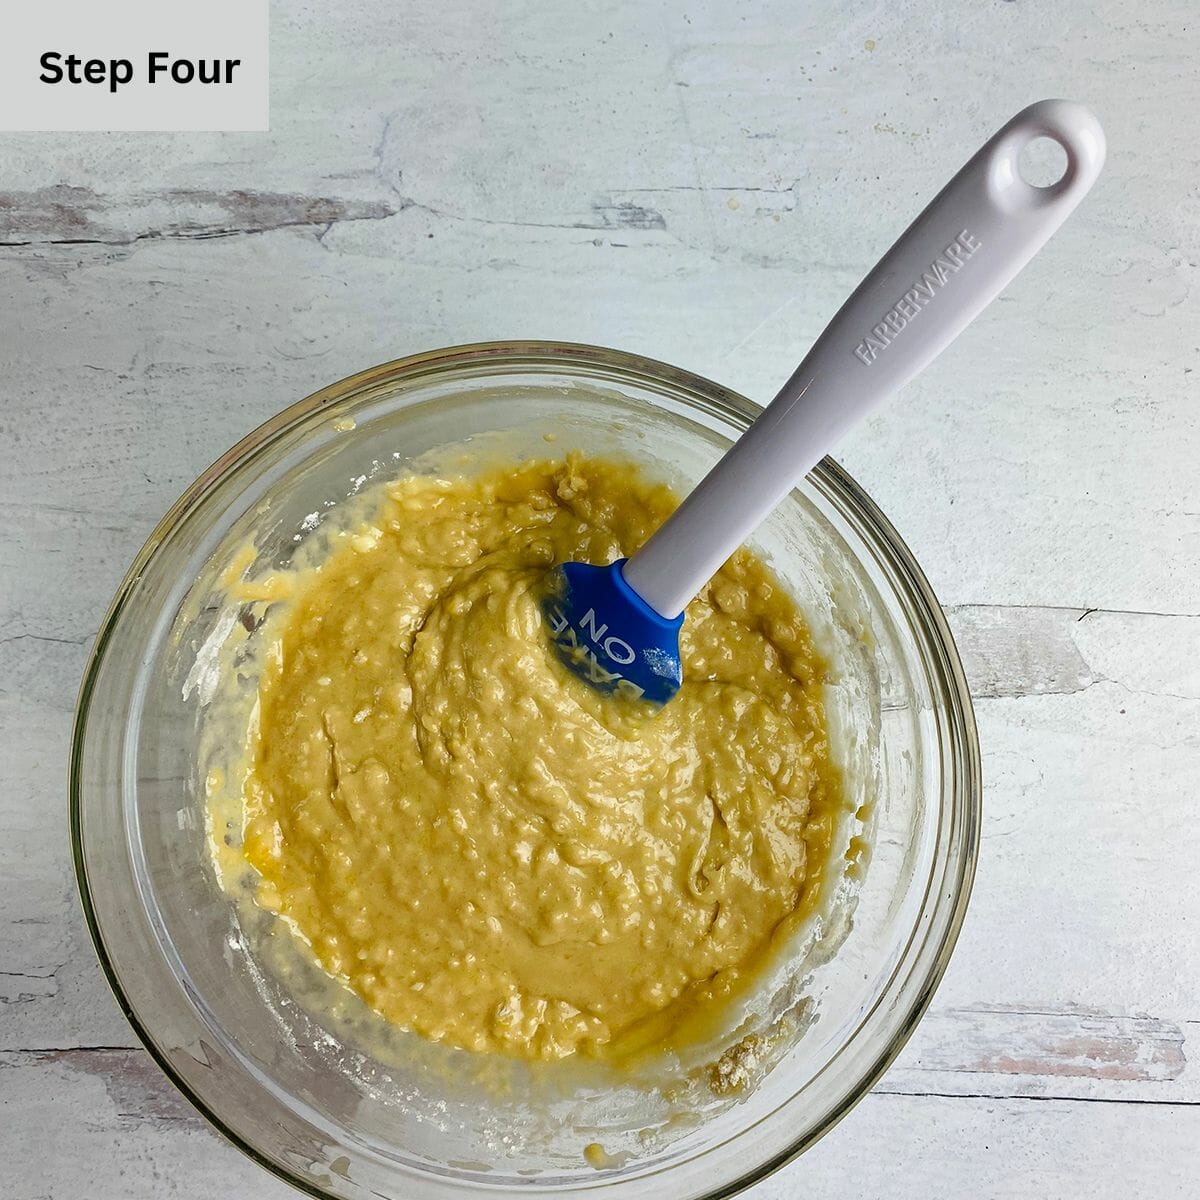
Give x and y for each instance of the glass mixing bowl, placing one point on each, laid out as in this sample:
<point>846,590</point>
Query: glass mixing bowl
<point>322,1098</point>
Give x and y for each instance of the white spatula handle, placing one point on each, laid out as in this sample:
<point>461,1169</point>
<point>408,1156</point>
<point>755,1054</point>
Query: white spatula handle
<point>956,257</point>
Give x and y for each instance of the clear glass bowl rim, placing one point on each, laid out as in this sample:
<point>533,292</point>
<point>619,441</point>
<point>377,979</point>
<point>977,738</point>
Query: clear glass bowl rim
<point>697,391</point>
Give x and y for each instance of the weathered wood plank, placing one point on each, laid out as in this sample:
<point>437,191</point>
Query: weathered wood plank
<point>104,1123</point>
<point>1071,1054</point>
<point>737,204</point>
<point>910,1148</point>
<point>101,1124</point>
<point>231,330</point>
<point>70,215</point>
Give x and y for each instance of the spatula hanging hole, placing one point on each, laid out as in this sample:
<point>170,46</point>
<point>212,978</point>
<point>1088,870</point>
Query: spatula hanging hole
<point>1042,162</point>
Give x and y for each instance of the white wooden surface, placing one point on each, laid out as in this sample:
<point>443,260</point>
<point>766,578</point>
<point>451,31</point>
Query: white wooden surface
<point>702,182</point>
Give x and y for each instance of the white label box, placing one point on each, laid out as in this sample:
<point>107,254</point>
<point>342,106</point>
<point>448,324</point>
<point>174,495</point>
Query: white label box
<point>135,65</point>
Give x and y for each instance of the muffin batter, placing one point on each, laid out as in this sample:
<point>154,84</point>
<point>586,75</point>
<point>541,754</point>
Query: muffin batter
<point>484,849</point>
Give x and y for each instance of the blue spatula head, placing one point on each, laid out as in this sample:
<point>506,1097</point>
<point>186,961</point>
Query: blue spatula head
<point>609,636</point>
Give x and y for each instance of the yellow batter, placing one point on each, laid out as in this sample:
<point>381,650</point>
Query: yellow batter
<point>485,850</point>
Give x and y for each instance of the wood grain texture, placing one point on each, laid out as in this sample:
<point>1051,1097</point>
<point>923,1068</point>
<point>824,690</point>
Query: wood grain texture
<point>65,215</point>
<point>92,1137</point>
<point>703,186</point>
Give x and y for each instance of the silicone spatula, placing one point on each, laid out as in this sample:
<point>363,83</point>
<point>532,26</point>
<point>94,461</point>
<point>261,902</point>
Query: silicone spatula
<point>617,625</point>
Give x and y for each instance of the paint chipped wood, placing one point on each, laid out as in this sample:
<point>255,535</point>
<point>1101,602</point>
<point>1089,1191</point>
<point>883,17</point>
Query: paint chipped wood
<point>1070,1053</point>
<point>75,1138</point>
<point>63,214</point>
